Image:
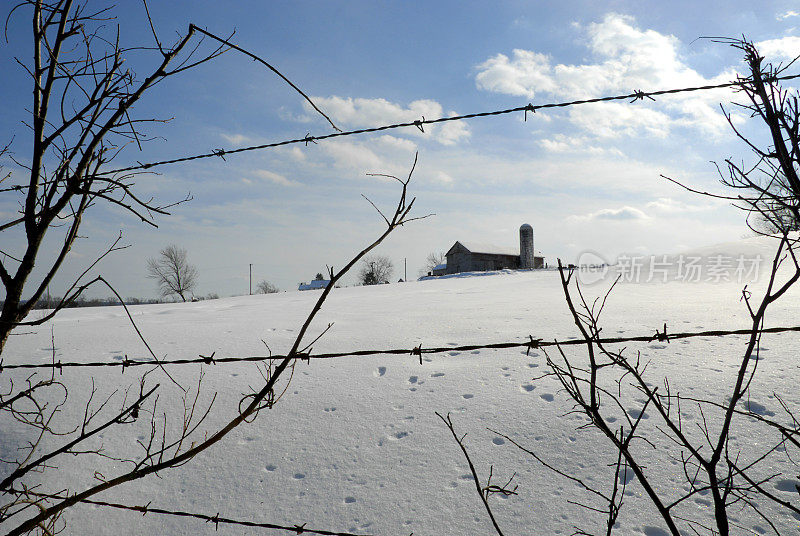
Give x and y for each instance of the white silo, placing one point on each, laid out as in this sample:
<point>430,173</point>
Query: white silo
<point>526,247</point>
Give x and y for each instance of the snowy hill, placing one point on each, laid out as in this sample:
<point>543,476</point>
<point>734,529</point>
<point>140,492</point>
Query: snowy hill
<point>354,444</point>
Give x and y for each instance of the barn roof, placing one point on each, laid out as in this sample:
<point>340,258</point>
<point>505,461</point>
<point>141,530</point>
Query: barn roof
<point>313,285</point>
<point>478,247</point>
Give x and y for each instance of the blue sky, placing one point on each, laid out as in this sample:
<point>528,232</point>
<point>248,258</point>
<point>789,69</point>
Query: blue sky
<point>586,178</point>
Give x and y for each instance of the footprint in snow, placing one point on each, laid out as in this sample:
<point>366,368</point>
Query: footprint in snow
<point>658,346</point>
<point>760,409</point>
<point>499,441</point>
<point>634,413</point>
<point>475,352</point>
<point>437,374</point>
<point>413,379</point>
<point>299,476</point>
<point>527,387</point>
<point>790,486</point>
<point>546,396</point>
<point>379,372</point>
<point>349,500</point>
<point>270,468</point>
<point>467,396</point>
<point>454,353</point>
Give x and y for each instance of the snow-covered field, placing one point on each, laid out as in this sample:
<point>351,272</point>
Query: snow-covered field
<point>354,444</point>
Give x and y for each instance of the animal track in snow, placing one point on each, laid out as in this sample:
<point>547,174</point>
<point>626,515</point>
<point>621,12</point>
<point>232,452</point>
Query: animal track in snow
<point>467,396</point>
<point>757,408</point>
<point>499,441</point>
<point>527,387</point>
<point>437,374</point>
<point>380,372</point>
<point>270,467</point>
<point>299,476</point>
<point>787,485</point>
<point>546,396</point>
<point>349,500</point>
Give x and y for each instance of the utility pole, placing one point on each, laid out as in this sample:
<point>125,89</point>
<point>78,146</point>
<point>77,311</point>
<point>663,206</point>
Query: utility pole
<point>405,269</point>
<point>251,278</point>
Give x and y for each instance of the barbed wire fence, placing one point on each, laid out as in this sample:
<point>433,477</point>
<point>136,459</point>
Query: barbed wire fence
<point>530,344</point>
<point>215,519</point>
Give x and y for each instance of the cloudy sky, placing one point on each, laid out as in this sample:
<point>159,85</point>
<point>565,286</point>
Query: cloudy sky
<point>585,177</point>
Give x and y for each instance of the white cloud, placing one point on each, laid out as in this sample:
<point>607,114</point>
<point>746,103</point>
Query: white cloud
<point>521,76</point>
<point>785,48</point>
<point>561,143</point>
<point>668,205</point>
<point>365,113</point>
<point>353,157</point>
<point>790,13</point>
<point>625,213</point>
<point>394,142</point>
<point>274,177</point>
<point>627,58</point>
<point>236,139</point>
<point>613,119</point>
<point>442,177</point>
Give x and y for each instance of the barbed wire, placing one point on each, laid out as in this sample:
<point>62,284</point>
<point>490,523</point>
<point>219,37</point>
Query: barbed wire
<point>530,344</point>
<point>215,519</point>
<point>637,95</point>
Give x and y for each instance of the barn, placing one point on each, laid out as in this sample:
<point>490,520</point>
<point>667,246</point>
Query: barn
<point>476,257</point>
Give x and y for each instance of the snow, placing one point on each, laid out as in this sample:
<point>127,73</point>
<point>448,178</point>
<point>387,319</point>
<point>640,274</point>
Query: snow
<point>354,444</point>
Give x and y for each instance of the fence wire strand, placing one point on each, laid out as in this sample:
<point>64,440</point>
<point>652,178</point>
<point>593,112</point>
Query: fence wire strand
<point>530,344</point>
<point>215,519</point>
<point>631,97</point>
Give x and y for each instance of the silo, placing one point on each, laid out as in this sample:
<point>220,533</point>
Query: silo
<point>526,247</point>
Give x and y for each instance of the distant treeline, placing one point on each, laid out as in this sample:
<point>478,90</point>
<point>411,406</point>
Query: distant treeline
<point>80,301</point>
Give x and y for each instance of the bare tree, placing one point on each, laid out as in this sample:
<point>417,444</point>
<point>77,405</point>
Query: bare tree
<point>172,272</point>
<point>434,259</point>
<point>82,116</point>
<point>375,270</point>
<point>265,287</point>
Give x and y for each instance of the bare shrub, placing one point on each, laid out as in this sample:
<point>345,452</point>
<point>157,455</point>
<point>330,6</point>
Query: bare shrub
<point>265,287</point>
